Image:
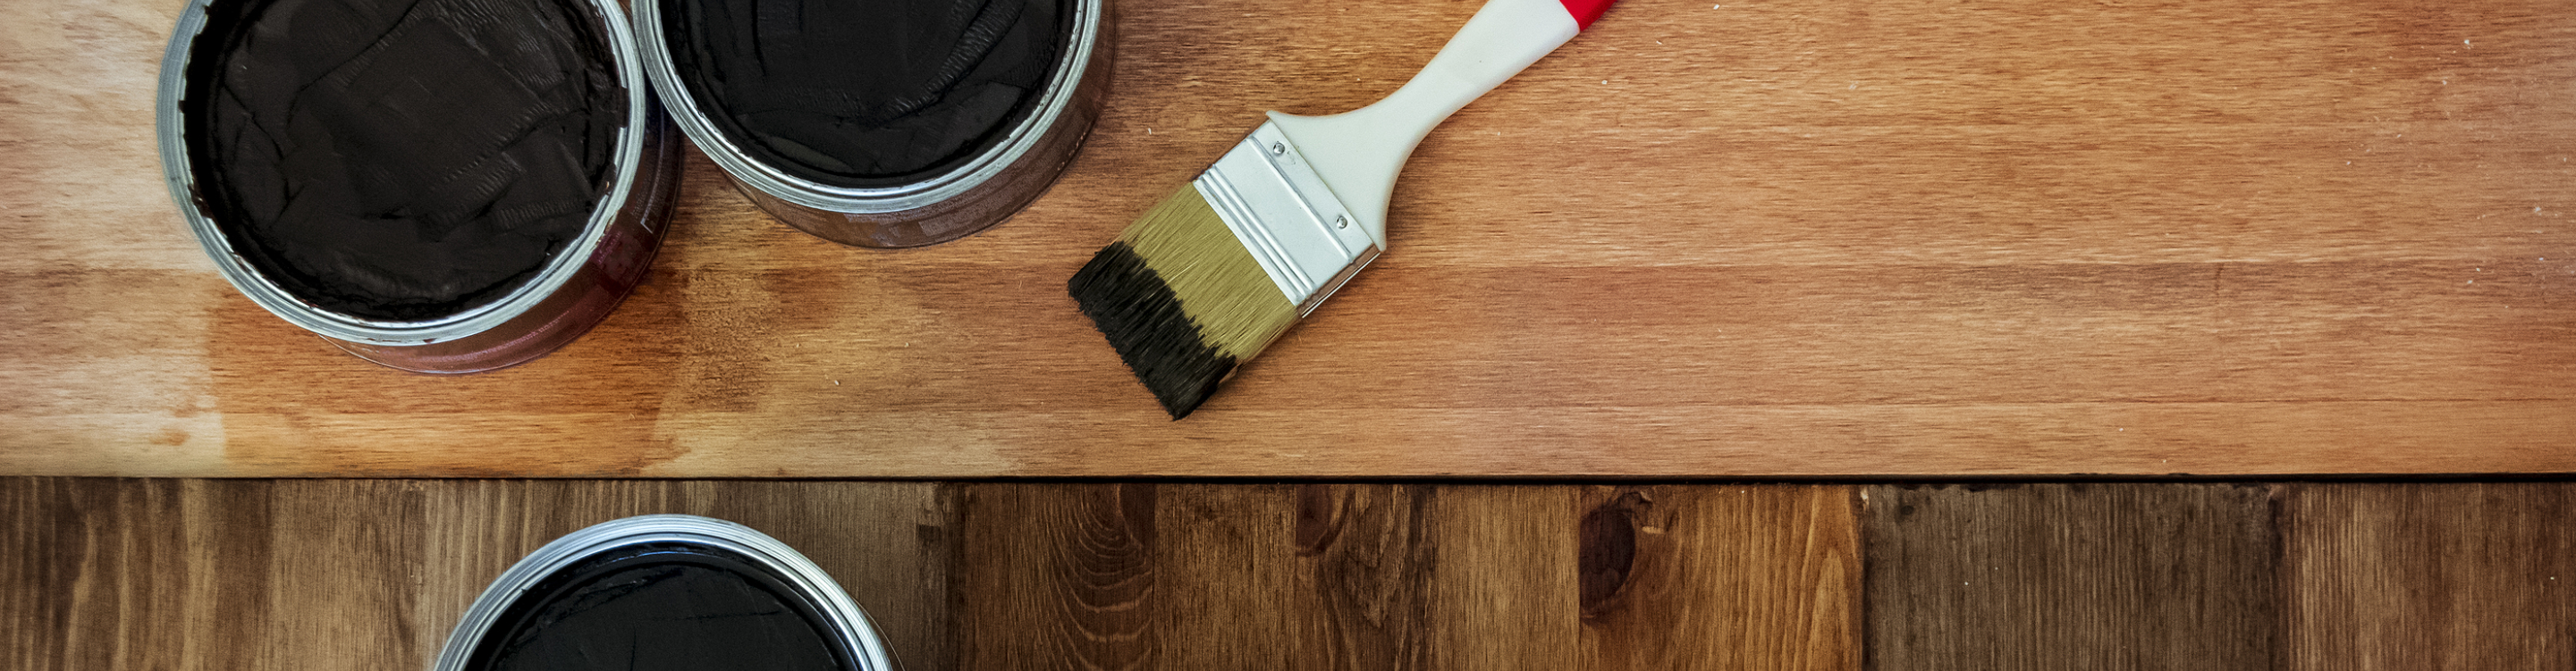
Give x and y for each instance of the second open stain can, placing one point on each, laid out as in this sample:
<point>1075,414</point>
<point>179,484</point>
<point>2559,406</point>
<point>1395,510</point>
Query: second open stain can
<point>665,592</point>
<point>883,124</point>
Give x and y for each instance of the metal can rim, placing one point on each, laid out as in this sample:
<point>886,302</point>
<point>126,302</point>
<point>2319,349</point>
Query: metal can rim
<point>1089,17</point>
<point>851,626</point>
<point>247,278</point>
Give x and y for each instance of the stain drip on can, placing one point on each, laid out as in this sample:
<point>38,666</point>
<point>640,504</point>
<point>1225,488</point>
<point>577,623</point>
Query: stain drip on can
<point>402,161</point>
<point>660,606</point>
<point>865,94</point>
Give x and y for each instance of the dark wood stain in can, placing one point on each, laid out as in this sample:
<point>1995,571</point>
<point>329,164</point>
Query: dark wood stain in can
<point>871,93</point>
<point>402,161</point>
<point>664,605</point>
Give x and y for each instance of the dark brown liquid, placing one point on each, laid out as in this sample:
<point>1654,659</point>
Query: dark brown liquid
<point>868,93</point>
<point>401,160</point>
<point>660,606</point>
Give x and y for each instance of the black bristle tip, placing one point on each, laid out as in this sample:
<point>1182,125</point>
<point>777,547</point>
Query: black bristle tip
<point>1136,309</point>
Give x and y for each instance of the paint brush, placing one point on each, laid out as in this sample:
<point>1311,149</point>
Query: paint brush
<point>1212,274</point>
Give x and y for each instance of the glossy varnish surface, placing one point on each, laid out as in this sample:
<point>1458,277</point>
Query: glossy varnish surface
<point>1770,238</point>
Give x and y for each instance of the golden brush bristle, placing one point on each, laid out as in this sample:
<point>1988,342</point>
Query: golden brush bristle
<point>1181,300</point>
<point>1237,308</point>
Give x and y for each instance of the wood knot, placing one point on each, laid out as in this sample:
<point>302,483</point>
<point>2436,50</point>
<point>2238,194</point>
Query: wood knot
<point>1607,550</point>
<point>1320,512</point>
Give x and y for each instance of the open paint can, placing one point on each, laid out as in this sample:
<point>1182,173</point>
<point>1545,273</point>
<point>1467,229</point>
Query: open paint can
<point>664,592</point>
<point>883,124</point>
<point>435,185</point>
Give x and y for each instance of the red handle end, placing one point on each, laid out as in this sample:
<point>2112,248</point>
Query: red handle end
<point>1585,11</point>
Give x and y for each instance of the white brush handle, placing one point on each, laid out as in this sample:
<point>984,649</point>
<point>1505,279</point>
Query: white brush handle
<point>1358,153</point>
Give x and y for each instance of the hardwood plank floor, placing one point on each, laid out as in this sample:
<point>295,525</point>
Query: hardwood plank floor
<point>2476,576</point>
<point>232,574</point>
<point>1066,576</point>
<point>2165,576</point>
<point>136,574</point>
<point>1734,577</point>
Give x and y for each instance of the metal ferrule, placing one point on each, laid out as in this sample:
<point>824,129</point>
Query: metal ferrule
<point>1279,207</point>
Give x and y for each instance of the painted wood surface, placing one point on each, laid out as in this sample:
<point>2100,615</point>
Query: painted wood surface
<point>1765,238</point>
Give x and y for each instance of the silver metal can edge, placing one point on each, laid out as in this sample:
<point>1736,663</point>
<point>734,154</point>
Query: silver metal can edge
<point>854,630</point>
<point>939,208</point>
<point>505,332</point>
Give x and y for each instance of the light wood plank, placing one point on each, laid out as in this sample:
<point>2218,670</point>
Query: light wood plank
<point>1778,238</point>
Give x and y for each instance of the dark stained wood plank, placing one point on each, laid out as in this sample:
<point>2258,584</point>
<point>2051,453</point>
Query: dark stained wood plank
<point>1294,576</point>
<point>1056,576</point>
<point>1720,577</point>
<point>1185,576</point>
<point>2064,576</point>
<point>886,543</point>
<point>228,527</point>
<point>195,574</point>
<point>1505,596</point>
<point>199,574</point>
<point>345,589</point>
<point>1336,576</point>
<point>373,574</point>
<point>133,574</point>
<point>481,527</point>
<point>2448,576</point>
<point>1366,563</point>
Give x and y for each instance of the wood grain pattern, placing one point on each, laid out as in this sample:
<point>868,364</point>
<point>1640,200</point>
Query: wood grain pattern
<point>1212,576</point>
<point>1776,238</point>
<point>1721,577</point>
<point>1367,560</point>
<point>1065,577</point>
<point>135,574</point>
<point>1386,576</point>
<point>1507,590</point>
<point>198,574</point>
<point>226,574</point>
<point>2071,576</point>
<point>2465,576</point>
